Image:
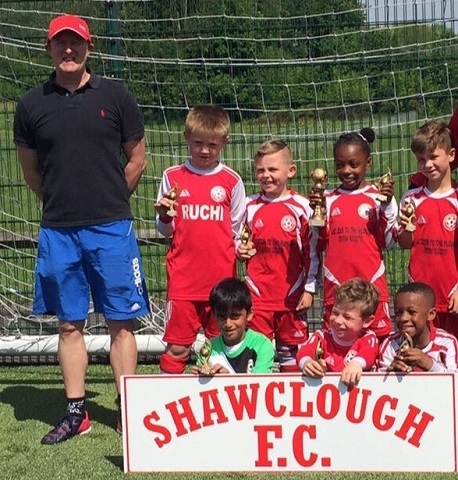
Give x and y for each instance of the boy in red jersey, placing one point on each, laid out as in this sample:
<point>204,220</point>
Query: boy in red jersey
<point>281,274</point>
<point>433,245</point>
<point>418,345</point>
<point>205,219</point>
<point>347,346</point>
<point>358,226</point>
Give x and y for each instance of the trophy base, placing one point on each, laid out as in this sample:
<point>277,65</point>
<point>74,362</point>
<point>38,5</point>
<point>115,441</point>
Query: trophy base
<point>172,213</point>
<point>317,222</point>
<point>205,370</point>
<point>382,198</point>
<point>410,228</point>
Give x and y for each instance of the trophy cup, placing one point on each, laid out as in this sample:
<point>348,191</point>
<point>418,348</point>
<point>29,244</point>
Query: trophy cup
<point>319,352</point>
<point>173,195</point>
<point>409,212</point>
<point>245,237</point>
<point>407,343</point>
<point>204,356</point>
<point>384,179</point>
<point>319,177</point>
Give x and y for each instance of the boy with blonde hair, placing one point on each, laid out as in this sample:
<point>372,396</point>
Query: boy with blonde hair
<point>347,346</point>
<point>433,256</point>
<point>200,207</point>
<point>281,274</point>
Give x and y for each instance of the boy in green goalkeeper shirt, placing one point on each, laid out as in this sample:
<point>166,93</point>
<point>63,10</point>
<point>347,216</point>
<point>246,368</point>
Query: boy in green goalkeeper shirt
<point>237,349</point>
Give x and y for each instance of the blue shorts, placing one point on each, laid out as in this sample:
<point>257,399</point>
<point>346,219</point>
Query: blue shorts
<point>101,260</point>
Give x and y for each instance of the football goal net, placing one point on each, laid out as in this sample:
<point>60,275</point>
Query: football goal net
<point>304,71</point>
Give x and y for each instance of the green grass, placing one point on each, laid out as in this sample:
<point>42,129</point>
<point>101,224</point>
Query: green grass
<point>31,399</point>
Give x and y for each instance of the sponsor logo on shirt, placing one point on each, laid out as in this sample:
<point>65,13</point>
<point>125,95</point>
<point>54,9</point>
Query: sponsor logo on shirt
<point>185,193</point>
<point>218,194</point>
<point>335,211</point>
<point>421,220</point>
<point>203,212</point>
<point>259,223</point>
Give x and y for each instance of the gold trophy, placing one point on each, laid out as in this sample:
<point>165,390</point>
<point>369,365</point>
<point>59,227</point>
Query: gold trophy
<point>319,352</point>
<point>407,343</point>
<point>409,212</point>
<point>319,177</point>
<point>245,237</point>
<point>384,179</point>
<point>204,357</point>
<point>173,195</point>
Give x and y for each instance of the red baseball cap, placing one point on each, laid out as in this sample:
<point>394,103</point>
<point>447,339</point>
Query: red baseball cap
<point>69,22</point>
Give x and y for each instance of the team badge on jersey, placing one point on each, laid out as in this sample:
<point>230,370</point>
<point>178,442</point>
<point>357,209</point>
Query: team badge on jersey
<point>288,223</point>
<point>365,211</point>
<point>449,222</point>
<point>218,194</point>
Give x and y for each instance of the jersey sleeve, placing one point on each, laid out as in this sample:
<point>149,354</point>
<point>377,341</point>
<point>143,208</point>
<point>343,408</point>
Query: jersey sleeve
<point>449,360</point>
<point>265,357</point>
<point>238,207</point>
<point>165,228</point>
<point>386,355</point>
<point>388,218</point>
<point>307,351</point>
<point>367,350</point>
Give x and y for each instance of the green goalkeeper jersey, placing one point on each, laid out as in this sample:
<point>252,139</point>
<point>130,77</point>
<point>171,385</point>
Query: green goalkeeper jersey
<point>255,354</point>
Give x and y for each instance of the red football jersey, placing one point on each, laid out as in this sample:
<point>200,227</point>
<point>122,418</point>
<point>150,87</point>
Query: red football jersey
<point>210,208</point>
<point>434,255</point>
<point>358,228</point>
<point>442,348</point>
<point>336,354</point>
<point>286,261</point>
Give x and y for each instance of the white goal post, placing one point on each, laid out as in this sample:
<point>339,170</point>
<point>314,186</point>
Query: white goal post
<point>302,71</point>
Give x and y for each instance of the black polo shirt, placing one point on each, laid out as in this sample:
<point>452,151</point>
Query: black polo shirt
<point>78,138</point>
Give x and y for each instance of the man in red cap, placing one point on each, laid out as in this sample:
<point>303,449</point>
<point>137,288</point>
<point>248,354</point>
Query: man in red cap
<point>70,135</point>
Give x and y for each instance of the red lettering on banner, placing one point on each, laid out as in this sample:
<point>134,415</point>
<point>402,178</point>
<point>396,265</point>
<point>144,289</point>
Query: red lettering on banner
<point>296,407</point>
<point>242,404</point>
<point>152,427</point>
<point>299,448</point>
<point>419,427</point>
<point>270,403</point>
<point>387,421</point>
<point>332,409</point>
<point>186,414</point>
<point>264,445</point>
<point>211,405</point>
<point>351,407</point>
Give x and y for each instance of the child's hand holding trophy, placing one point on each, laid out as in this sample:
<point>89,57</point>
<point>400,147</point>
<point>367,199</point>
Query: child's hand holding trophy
<point>203,358</point>
<point>317,200</point>
<point>385,186</point>
<point>408,217</point>
<point>172,195</point>
<point>246,242</point>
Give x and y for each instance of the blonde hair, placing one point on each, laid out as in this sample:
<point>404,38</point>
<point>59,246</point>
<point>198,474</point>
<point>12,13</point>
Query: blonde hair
<point>358,291</point>
<point>273,146</point>
<point>432,135</point>
<point>208,119</point>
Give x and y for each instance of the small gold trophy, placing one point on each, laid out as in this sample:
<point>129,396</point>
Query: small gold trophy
<point>409,212</point>
<point>384,179</point>
<point>204,357</point>
<point>407,343</point>
<point>319,352</point>
<point>245,237</point>
<point>319,177</point>
<point>173,195</point>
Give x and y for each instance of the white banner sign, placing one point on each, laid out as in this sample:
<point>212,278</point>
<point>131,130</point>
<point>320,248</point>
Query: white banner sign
<point>285,423</point>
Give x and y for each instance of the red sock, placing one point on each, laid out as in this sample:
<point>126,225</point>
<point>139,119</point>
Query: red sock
<point>171,364</point>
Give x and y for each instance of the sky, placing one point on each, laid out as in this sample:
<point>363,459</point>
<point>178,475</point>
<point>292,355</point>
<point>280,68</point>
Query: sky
<point>393,11</point>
